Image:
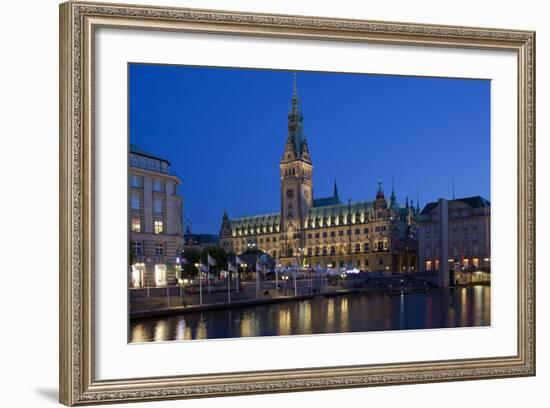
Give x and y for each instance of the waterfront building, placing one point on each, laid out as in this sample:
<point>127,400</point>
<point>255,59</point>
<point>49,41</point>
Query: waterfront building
<point>457,240</point>
<point>155,223</point>
<point>373,235</point>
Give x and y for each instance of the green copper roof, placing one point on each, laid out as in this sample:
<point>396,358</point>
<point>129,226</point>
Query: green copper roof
<point>261,220</point>
<point>323,202</point>
<point>340,209</point>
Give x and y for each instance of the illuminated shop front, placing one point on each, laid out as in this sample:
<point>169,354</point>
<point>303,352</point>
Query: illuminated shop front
<point>160,275</point>
<point>138,275</point>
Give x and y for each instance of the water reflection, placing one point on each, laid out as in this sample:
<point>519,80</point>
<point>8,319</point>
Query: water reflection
<point>463,307</point>
<point>305,316</point>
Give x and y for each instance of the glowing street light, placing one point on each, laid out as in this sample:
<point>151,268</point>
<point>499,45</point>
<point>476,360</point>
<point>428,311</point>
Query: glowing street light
<point>197,265</point>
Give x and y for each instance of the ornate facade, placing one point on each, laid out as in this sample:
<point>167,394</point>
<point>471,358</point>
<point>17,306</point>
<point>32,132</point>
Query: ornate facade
<point>377,235</point>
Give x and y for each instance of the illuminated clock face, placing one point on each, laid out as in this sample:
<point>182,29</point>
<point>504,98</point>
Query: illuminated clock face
<point>290,193</point>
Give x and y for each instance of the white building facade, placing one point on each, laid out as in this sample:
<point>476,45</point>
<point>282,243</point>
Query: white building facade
<point>155,220</point>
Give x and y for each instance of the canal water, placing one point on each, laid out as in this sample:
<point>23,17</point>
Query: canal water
<point>462,307</point>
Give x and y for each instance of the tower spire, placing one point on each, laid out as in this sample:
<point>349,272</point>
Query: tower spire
<point>295,105</point>
<point>393,199</point>
<point>335,189</point>
<point>296,141</point>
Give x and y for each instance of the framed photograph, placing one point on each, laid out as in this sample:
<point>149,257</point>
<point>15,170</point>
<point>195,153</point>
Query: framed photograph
<point>256,203</point>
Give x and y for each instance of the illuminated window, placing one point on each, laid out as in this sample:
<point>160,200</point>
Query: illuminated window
<point>157,185</point>
<point>385,245</point>
<point>157,205</point>
<point>159,249</point>
<point>475,262</point>
<point>466,263</point>
<point>159,227</point>
<point>428,265</point>
<point>136,225</point>
<point>135,202</point>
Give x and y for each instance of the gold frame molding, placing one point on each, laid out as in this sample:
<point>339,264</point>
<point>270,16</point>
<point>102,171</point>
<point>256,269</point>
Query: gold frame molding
<point>78,22</point>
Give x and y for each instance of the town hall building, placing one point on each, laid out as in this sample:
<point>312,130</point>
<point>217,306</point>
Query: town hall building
<point>308,232</point>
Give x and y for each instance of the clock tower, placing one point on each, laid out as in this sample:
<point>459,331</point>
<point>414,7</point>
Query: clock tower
<point>296,183</point>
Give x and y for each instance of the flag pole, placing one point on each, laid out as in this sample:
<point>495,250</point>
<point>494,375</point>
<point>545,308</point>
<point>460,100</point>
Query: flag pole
<point>257,280</point>
<point>277,277</point>
<point>228,283</point>
<point>238,273</point>
<point>208,274</point>
<point>200,284</point>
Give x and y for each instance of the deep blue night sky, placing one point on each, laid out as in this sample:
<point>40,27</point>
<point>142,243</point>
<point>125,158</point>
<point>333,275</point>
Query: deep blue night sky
<point>224,130</point>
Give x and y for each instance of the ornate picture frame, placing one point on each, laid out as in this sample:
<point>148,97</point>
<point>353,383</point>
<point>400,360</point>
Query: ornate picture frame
<point>78,24</point>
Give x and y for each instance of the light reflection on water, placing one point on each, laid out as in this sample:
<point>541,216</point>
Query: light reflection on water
<point>463,307</point>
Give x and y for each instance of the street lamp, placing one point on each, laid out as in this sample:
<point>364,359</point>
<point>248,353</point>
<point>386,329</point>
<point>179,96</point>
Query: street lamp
<point>285,280</point>
<point>197,265</point>
<point>277,267</point>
